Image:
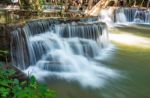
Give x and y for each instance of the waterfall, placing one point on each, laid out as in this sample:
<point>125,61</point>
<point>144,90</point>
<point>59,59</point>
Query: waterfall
<point>106,15</point>
<point>142,17</point>
<point>63,49</point>
<point>132,15</point>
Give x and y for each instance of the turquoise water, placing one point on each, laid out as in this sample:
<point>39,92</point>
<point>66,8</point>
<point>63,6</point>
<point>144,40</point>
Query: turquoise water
<point>131,60</point>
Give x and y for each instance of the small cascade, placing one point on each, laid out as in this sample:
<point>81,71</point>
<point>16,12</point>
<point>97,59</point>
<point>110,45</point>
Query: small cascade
<point>124,15</point>
<point>37,40</point>
<point>132,15</point>
<point>142,17</point>
<point>107,16</point>
<point>79,29</point>
<point>61,47</point>
<point>120,16</point>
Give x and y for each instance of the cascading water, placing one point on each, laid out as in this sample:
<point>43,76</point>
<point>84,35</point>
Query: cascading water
<point>142,17</point>
<point>107,16</point>
<point>64,50</point>
<point>134,15</point>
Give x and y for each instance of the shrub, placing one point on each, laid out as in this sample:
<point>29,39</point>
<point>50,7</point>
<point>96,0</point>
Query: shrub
<point>13,88</point>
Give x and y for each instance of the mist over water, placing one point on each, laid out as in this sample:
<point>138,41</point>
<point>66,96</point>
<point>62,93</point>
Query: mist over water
<point>67,51</point>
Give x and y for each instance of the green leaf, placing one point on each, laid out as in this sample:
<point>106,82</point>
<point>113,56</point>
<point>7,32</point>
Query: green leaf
<point>16,81</point>
<point>3,52</point>
<point>26,89</point>
<point>23,83</point>
<point>50,94</point>
<point>42,89</point>
<point>32,80</point>
<point>4,83</point>
<point>16,88</point>
<point>4,91</point>
<point>10,72</point>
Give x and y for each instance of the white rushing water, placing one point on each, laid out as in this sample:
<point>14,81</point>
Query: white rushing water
<point>124,15</point>
<point>132,15</point>
<point>66,52</point>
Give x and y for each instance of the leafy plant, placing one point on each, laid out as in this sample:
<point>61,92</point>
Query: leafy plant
<point>12,88</point>
<point>42,2</point>
<point>3,55</point>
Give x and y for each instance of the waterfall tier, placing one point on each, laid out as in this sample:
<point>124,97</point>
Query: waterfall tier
<point>63,49</point>
<point>134,15</point>
<point>44,43</point>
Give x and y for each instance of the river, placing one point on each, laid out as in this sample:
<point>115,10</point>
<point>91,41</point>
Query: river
<point>130,57</point>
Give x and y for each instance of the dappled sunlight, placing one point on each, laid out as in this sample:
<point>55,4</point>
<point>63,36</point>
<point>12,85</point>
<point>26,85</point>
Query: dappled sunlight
<point>130,39</point>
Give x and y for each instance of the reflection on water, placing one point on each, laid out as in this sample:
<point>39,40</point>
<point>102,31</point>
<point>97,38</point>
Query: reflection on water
<point>130,39</point>
<point>132,63</point>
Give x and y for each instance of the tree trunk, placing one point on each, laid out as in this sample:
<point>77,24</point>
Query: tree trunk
<point>66,5</point>
<point>95,10</point>
<point>141,5</point>
<point>19,2</point>
<point>148,4</point>
<point>134,4</point>
<point>80,4</point>
<point>90,4</point>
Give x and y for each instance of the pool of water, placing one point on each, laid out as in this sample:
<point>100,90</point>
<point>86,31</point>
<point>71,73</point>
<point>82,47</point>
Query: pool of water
<point>131,60</point>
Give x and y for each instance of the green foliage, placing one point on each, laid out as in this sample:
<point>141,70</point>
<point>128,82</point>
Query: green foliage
<point>42,2</point>
<point>3,53</point>
<point>12,88</point>
<point>1,63</point>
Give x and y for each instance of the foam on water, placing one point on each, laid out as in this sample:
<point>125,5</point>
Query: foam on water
<point>65,51</point>
<point>132,15</point>
<point>86,72</point>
